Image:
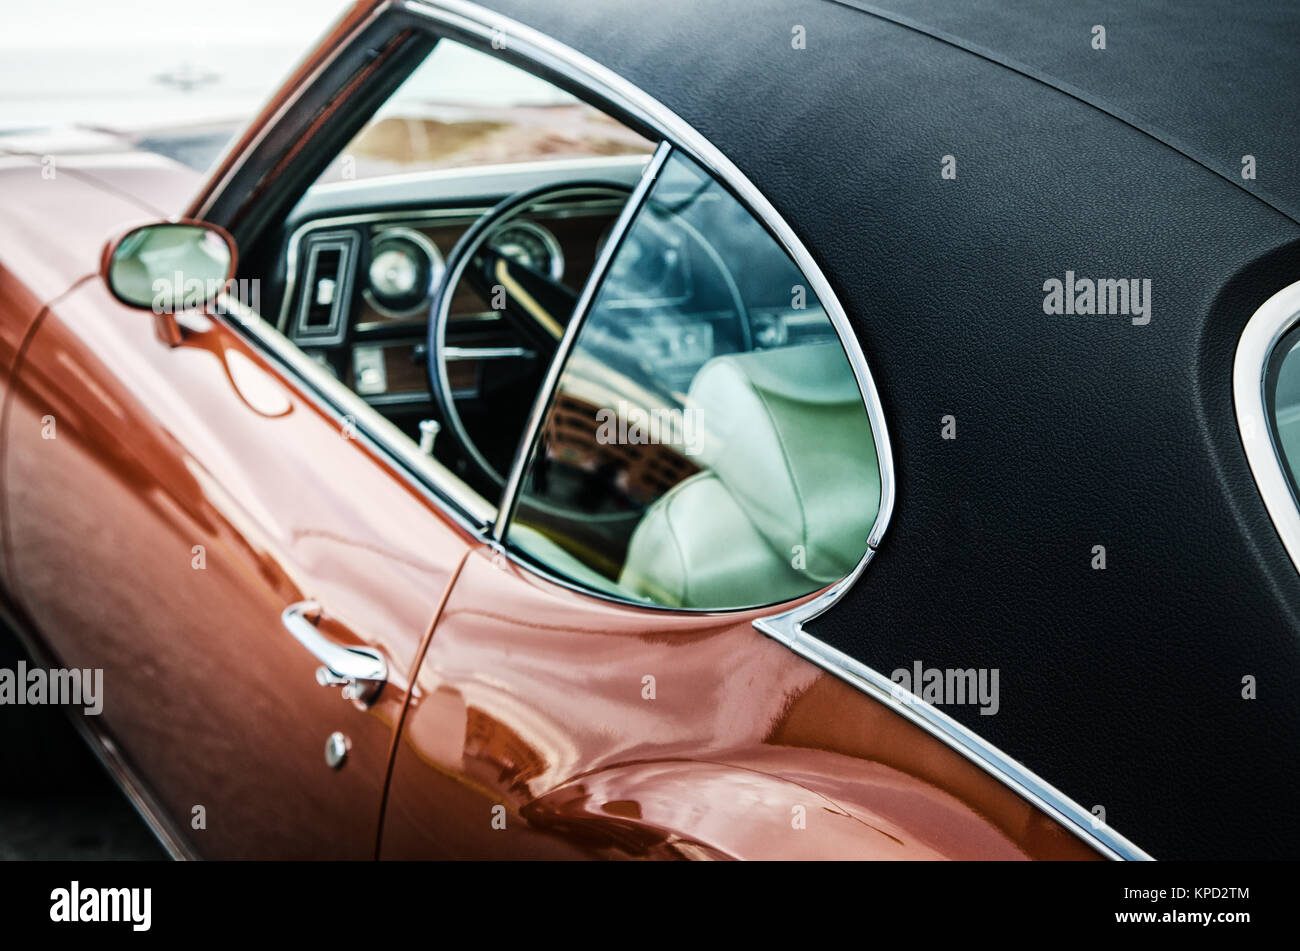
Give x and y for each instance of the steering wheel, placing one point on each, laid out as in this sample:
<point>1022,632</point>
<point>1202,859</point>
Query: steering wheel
<point>535,306</point>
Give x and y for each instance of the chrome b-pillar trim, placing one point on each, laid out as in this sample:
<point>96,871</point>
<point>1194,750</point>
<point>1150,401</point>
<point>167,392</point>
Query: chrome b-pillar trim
<point>510,497</point>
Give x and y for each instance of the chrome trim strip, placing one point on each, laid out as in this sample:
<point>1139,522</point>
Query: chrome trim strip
<point>453,354</point>
<point>1266,327</point>
<point>533,429</point>
<point>413,397</point>
<point>787,627</point>
<point>417,327</point>
<point>141,799</point>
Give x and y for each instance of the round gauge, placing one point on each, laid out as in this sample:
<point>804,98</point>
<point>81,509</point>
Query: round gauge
<point>394,272</point>
<point>404,267</point>
<point>531,245</point>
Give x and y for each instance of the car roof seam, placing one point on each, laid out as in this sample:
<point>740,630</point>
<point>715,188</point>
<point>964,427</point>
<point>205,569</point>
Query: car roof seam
<point>1069,89</point>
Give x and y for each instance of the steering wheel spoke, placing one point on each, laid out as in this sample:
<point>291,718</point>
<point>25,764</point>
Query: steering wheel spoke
<point>535,308</point>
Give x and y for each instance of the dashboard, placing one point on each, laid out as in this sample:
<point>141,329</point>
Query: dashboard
<point>357,264</point>
<point>361,262</point>
<point>358,295</point>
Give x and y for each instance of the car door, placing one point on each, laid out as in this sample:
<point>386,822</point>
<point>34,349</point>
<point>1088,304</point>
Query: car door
<point>185,519</point>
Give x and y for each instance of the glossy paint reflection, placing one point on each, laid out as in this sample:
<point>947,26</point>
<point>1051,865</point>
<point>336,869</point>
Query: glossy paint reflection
<point>164,505</point>
<point>592,729</point>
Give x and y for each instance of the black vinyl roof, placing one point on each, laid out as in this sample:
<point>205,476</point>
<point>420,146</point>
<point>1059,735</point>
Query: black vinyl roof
<point>1121,686</point>
<point>1215,80</point>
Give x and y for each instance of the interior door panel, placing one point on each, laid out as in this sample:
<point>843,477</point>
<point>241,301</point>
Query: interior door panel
<point>165,505</point>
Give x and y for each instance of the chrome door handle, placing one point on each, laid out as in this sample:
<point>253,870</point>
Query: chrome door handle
<point>360,671</point>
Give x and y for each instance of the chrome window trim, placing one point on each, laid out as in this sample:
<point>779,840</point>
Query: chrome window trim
<point>1011,772</point>
<point>787,626</point>
<point>1268,325</point>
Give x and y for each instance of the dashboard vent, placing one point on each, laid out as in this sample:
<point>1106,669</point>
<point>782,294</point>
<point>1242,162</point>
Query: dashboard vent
<point>329,262</point>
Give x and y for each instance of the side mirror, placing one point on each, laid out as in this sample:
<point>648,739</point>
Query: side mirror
<point>170,266</point>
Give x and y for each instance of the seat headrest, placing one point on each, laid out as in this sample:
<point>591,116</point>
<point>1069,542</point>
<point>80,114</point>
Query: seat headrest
<point>787,433</point>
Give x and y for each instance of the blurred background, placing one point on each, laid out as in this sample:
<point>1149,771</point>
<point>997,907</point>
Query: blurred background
<point>174,76</point>
<point>181,77</point>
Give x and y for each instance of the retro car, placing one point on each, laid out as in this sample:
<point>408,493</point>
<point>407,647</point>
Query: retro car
<point>814,430</point>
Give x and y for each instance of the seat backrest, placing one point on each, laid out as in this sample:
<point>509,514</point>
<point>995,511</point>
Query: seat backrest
<point>789,491</point>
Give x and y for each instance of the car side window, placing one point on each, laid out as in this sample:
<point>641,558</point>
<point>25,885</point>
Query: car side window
<point>475,191</point>
<point>707,445</point>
